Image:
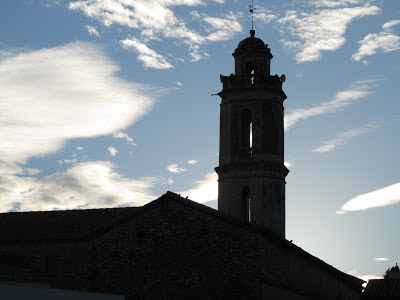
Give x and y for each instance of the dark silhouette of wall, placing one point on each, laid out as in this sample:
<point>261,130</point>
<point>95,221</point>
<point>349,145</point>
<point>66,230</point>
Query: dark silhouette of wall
<point>171,248</point>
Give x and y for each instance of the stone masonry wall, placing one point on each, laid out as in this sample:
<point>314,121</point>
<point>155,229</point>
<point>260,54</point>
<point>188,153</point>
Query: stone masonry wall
<point>173,251</point>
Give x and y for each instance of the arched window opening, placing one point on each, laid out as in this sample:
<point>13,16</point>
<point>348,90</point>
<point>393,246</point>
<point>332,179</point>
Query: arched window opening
<point>249,70</point>
<point>246,134</point>
<point>251,136</point>
<point>249,67</point>
<point>248,208</point>
<point>246,205</point>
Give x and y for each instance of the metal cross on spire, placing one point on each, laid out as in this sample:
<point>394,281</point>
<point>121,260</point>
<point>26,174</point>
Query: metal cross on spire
<point>252,8</point>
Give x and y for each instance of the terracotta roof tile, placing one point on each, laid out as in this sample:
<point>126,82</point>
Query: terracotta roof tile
<point>59,225</point>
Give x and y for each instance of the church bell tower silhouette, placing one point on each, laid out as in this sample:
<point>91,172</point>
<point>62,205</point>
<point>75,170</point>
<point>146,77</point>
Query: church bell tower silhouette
<point>251,171</point>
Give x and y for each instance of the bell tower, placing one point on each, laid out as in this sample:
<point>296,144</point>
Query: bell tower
<point>251,171</point>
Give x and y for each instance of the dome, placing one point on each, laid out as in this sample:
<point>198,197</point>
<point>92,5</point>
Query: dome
<point>251,42</point>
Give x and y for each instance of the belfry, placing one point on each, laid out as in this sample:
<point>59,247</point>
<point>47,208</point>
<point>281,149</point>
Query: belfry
<point>251,171</point>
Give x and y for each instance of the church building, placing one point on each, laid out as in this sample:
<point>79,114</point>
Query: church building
<point>174,248</point>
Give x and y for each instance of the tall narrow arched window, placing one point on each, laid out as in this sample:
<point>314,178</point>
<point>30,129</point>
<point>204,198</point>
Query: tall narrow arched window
<point>246,134</point>
<point>251,135</point>
<point>246,205</point>
<point>249,70</point>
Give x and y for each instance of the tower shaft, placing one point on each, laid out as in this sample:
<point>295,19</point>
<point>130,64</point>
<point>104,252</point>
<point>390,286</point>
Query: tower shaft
<point>251,171</point>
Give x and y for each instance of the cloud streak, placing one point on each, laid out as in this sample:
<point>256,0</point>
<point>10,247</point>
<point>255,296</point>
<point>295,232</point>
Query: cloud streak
<point>379,198</point>
<point>112,151</point>
<point>155,20</point>
<point>335,3</point>
<point>55,94</point>
<point>126,137</point>
<point>149,57</point>
<point>174,168</point>
<point>343,138</point>
<point>381,259</point>
<point>321,30</point>
<point>92,31</point>
<point>205,190</point>
<point>386,41</point>
<point>365,277</point>
<point>264,15</point>
<point>357,90</point>
<point>86,185</point>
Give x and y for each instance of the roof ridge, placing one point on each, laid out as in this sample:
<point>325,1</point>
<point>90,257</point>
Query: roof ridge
<point>258,229</point>
<point>66,210</point>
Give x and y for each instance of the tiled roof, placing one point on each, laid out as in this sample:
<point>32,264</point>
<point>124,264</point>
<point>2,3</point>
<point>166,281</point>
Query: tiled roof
<point>353,281</point>
<point>87,223</point>
<point>382,288</point>
<point>59,225</point>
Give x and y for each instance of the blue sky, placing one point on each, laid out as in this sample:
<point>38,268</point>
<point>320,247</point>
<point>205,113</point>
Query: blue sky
<point>109,103</point>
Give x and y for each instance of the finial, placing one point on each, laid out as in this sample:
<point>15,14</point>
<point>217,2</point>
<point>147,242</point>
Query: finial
<point>252,33</point>
<point>252,8</point>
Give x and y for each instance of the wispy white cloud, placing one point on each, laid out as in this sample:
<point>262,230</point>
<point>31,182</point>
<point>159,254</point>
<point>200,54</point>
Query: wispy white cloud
<point>264,15</point>
<point>33,171</point>
<point>10,168</point>
<point>195,15</point>
<point>321,30</point>
<point>112,151</point>
<point>126,137</point>
<point>205,190</point>
<point>155,14</point>
<point>365,277</point>
<point>168,181</point>
<point>382,197</point>
<point>386,41</point>
<point>79,148</point>
<point>9,52</point>
<point>179,83</point>
<point>149,57</point>
<point>192,162</point>
<point>354,92</point>
<point>92,31</point>
<point>50,3</point>
<point>369,277</point>
<point>195,54</point>
<point>335,3</point>
<point>343,138</point>
<point>381,259</point>
<point>67,161</point>
<point>155,20</point>
<point>174,168</point>
<point>390,24</point>
<point>55,94</point>
<point>222,29</point>
<point>86,185</point>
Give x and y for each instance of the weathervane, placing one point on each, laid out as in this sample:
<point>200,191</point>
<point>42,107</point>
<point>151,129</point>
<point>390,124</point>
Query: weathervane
<point>252,8</point>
